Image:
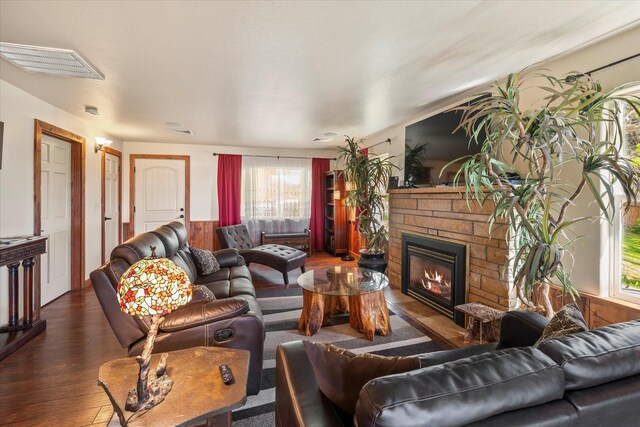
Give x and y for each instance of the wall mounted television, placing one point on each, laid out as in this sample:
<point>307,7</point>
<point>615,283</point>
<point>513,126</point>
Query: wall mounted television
<point>431,144</point>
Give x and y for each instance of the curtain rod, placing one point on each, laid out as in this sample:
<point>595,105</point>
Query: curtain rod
<point>620,61</point>
<point>284,157</point>
<point>388,140</point>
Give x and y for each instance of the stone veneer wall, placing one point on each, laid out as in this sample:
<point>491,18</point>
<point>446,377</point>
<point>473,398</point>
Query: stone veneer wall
<point>442,212</point>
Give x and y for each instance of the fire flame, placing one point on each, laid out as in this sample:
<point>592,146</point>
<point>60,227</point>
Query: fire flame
<point>434,282</point>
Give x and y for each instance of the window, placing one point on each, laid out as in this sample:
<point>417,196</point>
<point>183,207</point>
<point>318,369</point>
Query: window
<point>626,228</point>
<point>276,195</point>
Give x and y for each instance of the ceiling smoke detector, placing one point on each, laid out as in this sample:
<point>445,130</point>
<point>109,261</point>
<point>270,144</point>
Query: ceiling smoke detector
<point>48,60</point>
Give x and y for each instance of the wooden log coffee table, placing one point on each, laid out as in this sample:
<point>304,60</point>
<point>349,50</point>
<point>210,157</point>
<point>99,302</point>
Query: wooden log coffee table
<point>353,290</point>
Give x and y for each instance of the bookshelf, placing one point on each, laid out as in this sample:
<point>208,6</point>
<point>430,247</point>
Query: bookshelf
<point>335,221</point>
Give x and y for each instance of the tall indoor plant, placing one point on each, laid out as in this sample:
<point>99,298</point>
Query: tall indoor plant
<point>413,158</point>
<point>575,126</point>
<point>367,175</point>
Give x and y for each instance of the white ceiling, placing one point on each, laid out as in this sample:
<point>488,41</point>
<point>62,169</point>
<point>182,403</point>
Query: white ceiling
<point>278,74</point>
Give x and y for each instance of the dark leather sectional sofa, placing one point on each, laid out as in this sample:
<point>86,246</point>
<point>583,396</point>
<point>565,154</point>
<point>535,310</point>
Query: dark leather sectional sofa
<point>233,320</point>
<point>585,379</point>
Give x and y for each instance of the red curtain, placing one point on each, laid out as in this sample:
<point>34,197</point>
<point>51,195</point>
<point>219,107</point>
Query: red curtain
<point>229,188</point>
<point>318,168</point>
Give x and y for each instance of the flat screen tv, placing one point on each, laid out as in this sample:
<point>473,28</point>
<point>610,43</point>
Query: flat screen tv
<point>431,144</point>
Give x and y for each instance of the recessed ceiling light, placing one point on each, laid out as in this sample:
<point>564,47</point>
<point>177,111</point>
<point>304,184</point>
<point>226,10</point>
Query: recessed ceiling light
<point>322,139</point>
<point>91,110</point>
<point>48,60</point>
<point>330,134</point>
<point>173,124</point>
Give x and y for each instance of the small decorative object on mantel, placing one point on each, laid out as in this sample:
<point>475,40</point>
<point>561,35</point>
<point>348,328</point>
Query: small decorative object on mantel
<point>152,287</point>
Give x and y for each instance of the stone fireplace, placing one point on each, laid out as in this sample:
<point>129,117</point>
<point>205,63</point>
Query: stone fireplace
<point>434,271</point>
<point>442,213</point>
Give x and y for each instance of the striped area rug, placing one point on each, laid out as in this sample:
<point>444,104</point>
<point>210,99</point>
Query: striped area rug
<point>281,309</point>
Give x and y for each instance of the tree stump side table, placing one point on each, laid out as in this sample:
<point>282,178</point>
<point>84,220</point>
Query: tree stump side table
<point>482,320</point>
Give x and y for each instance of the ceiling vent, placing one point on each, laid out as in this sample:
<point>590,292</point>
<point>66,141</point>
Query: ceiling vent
<point>47,60</point>
<point>184,131</point>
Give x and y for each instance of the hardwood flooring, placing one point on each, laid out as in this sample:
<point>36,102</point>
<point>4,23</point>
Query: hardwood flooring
<point>51,381</point>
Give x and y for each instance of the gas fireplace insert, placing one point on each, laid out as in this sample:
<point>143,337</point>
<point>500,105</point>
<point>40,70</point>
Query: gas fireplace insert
<point>434,271</point>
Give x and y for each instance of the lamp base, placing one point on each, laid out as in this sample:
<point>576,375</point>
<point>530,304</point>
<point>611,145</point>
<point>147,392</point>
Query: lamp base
<point>157,389</point>
<point>347,257</point>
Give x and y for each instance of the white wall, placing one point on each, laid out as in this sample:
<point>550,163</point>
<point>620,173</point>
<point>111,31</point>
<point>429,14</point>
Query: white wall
<point>18,110</point>
<point>204,170</point>
<point>591,269</point>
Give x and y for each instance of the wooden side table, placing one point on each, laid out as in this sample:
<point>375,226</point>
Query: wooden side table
<point>481,318</point>
<point>198,393</point>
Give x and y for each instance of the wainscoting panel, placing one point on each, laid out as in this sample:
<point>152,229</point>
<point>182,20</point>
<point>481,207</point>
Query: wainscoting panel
<point>202,234</point>
<point>598,311</point>
<point>127,231</point>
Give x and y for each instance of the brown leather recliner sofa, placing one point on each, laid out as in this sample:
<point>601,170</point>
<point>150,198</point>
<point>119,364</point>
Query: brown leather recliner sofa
<point>586,379</point>
<point>233,320</point>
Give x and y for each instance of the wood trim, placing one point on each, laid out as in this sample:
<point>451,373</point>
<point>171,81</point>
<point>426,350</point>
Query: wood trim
<point>78,176</point>
<point>127,232</point>
<point>118,154</point>
<point>187,184</point>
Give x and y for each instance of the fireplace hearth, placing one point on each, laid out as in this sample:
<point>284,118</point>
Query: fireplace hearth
<point>434,271</point>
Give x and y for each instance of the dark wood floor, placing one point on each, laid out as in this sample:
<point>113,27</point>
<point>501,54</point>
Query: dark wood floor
<point>51,381</point>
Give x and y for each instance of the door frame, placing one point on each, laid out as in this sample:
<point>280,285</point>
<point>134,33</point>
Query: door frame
<point>132,184</point>
<point>78,155</point>
<point>118,154</point>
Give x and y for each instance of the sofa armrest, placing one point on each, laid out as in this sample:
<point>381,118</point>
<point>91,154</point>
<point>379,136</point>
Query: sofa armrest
<point>199,314</point>
<point>228,257</point>
<point>521,328</point>
<point>299,401</point>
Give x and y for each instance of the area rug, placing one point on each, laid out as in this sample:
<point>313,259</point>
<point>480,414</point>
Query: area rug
<point>281,309</point>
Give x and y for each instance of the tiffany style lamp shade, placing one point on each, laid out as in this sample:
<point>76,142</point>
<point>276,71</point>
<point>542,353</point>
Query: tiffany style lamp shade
<point>151,288</point>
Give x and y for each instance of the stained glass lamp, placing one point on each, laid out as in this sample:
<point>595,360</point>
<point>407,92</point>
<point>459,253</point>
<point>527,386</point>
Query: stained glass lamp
<point>152,288</point>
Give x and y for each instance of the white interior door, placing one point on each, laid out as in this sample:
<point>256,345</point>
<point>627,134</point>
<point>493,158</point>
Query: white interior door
<point>56,218</point>
<point>111,199</point>
<point>159,193</point>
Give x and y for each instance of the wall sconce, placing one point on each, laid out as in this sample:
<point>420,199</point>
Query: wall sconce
<point>336,195</point>
<point>101,144</point>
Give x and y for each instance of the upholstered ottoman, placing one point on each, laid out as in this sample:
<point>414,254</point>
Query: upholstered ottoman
<point>280,257</point>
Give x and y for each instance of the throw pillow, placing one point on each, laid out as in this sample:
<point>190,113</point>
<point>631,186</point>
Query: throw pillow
<point>341,374</point>
<point>201,294</point>
<point>567,320</point>
<point>206,263</point>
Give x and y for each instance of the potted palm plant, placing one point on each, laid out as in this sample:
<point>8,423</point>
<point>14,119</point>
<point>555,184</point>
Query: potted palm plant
<point>368,175</point>
<point>413,157</point>
<point>575,127</point>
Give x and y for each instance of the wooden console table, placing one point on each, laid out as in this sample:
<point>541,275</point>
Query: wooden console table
<point>16,333</point>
